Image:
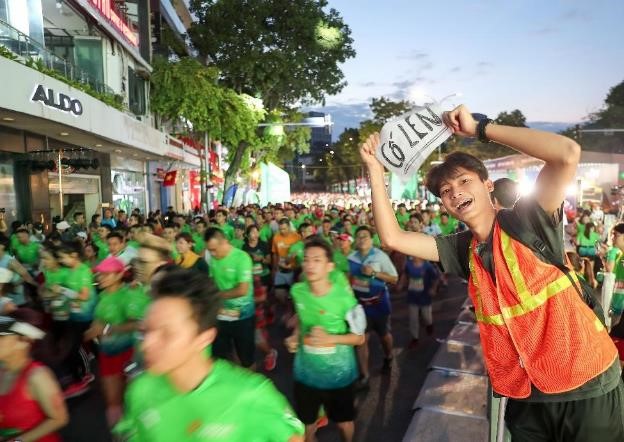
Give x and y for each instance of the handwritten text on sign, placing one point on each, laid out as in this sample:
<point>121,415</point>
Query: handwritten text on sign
<point>408,140</point>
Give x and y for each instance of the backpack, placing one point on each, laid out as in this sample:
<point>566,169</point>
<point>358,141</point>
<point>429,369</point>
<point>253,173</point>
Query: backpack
<point>509,223</point>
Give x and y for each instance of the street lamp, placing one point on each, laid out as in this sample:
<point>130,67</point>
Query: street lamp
<point>331,152</point>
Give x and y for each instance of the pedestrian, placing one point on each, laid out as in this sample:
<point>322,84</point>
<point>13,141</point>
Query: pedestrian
<point>231,270</point>
<point>420,280</point>
<point>371,271</point>
<point>32,407</point>
<point>188,259</point>
<point>330,323</point>
<point>560,385</point>
<point>185,395</point>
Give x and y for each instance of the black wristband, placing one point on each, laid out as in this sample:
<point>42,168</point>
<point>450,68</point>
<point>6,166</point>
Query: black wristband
<point>481,130</point>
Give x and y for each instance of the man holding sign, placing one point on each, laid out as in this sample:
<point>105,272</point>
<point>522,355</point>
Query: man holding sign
<point>544,348</point>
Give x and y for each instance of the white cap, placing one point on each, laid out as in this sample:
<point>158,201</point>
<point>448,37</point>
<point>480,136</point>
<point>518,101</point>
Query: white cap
<point>63,225</point>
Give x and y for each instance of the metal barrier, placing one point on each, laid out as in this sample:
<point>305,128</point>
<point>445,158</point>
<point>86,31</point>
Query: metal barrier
<point>24,46</point>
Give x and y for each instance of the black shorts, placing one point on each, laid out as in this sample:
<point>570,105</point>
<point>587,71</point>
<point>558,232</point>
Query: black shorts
<point>242,334</point>
<point>378,324</point>
<point>338,403</point>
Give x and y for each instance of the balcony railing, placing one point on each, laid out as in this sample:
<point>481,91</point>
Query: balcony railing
<point>33,52</point>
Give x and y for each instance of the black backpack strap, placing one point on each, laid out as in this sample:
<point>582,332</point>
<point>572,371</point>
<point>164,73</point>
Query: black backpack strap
<point>508,221</point>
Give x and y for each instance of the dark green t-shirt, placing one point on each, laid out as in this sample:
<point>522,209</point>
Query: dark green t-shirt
<point>453,251</point>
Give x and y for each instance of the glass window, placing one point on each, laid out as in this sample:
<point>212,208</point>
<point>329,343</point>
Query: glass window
<point>88,57</point>
<point>128,190</point>
<point>136,93</point>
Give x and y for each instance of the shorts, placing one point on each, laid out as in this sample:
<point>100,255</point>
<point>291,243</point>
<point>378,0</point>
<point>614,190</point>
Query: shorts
<point>378,324</point>
<point>283,280</point>
<point>242,335</point>
<point>338,404</point>
<point>619,344</point>
<point>114,365</point>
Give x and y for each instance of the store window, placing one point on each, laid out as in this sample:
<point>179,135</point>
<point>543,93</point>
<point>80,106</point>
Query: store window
<point>128,190</point>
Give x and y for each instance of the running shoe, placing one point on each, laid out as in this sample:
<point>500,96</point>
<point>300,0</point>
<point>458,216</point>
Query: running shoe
<point>80,387</point>
<point>270,360</point>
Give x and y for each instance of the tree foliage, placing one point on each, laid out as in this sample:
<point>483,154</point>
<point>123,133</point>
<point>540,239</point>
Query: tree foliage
<point>285,51</point>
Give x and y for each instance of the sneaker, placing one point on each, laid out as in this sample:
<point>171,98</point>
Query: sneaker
<point>80,387</point>
<point>413,344</point>
<point>322,422</point>
<point>362,384</point>
<point>387,366</point>
<point>270,360</point>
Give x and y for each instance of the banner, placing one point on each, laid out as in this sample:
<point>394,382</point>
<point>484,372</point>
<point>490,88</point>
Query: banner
<point>274,184</point>
<point>408,140</point>
<point>170,178</point>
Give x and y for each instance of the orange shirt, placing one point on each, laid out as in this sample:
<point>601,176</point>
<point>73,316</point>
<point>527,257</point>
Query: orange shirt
<point>281,246</point>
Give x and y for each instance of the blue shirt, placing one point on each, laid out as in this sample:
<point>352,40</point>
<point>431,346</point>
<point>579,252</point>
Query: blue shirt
<point>371,292</point>
<point>421,278</point>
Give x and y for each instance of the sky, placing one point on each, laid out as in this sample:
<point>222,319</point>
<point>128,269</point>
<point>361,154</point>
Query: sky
<point>555,60</point>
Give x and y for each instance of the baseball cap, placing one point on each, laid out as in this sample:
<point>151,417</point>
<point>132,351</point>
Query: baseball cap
<point>110,265</point>
<point>11,326</point>
<point>345,237</point>
<point>6,276</point>
<point>63,225</point>
<point>82,235</point>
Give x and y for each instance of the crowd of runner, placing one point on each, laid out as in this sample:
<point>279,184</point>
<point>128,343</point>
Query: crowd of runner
<point>123,288</point>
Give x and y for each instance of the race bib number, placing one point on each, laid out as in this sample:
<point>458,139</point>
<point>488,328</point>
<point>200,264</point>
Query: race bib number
<point>317,350</point>
<point>361,285</point>
<point>416,285</point>
<point>228,315</point>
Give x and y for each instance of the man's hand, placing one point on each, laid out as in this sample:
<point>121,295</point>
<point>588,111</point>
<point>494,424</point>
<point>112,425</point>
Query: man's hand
<point>292,343</point>
<point>320,338</point>
<point>367,152</point>
<point>460,121</point>
<point>367,270</point>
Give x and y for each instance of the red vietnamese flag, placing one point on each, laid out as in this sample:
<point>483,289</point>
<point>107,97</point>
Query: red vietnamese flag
<point>170,178</point>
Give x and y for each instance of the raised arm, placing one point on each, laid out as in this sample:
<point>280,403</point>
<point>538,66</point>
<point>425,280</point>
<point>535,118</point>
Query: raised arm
<point>560,153</point>
<point>391,235</point>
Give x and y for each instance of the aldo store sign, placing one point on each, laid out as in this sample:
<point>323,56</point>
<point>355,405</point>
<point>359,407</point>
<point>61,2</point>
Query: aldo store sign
<point>59,101</point>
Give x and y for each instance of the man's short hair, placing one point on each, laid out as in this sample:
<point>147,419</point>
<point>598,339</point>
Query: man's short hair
<point>77,214</point>
<point>321,244</point>
<point>303,226</point>
<point>107,227</point>
<point>185,236</point>
<point>196,288</point>
<point>450,167</point>
<point>283,221</point>
<point>364,229</point>
<point>505,192</point>
<point>223,212</point>
<point>22,230</point>
<point>214,233</point>
<point>116,234</point>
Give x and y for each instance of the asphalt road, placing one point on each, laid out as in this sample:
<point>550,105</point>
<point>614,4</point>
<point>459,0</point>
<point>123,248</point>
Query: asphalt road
<point>383,413</point>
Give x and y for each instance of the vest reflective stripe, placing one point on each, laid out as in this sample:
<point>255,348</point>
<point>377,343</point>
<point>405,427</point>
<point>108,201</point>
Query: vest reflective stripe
<point>528,302</point>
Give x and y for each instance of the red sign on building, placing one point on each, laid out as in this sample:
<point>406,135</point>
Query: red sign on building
<point>107,11</point>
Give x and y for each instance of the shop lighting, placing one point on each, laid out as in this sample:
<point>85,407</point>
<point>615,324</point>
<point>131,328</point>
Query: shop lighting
<point>117,150</point>
<point>98,145</point>
<point>64,134</point>
<point>9,119</point>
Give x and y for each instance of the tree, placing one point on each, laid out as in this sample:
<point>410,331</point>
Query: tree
<point>285,51</point>
<point>383,109</point>
<point>186,95</point>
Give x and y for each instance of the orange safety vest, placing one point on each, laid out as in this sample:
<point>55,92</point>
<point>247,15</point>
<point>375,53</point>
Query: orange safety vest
<point>534,326</point>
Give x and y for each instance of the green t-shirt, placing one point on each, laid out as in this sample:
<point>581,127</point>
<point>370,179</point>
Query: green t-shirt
<point>59,305</point>
<point>27,254</point>
<point>198,246</point>
<point>227,230</point>
<point>102,246</point>
<point>77,279</point>
<point>448,228</point>
<point>133,244</point>
<point>238,243</point>
<point>112,308</point>
<point>266,233</point>
<point>341,262</point>
<point>231,405</point>
<point>296,251</point>
<point>583,241</point>
<point>186,229</point>
<point>227,273</point>
<point>402,219</point>
<point>324,367</point>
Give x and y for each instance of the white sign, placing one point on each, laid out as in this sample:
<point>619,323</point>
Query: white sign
<point>408,140</point>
